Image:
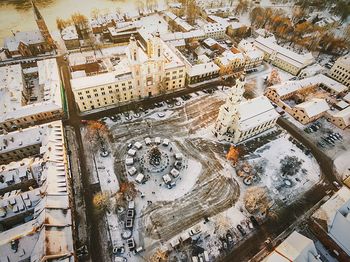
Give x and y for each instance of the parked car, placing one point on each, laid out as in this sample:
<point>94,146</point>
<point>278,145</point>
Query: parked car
<point>241,230</point>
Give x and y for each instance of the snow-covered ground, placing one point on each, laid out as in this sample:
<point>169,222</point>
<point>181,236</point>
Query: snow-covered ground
<point>187,128</point>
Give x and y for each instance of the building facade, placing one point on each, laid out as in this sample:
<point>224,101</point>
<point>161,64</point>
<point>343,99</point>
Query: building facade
<point>281,57</point>
<point>37,221</point>
<point>230,63</point>
<point>238,121</point>
<point>340,71</point>
<point>142,74</point>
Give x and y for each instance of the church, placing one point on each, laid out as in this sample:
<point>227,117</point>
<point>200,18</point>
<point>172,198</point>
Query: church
<point>142,72</point>
<point>31,43</point>
<point>239,120</point>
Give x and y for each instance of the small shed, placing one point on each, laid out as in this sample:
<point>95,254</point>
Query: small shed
<point>157,140</point>
<point>131,152</point>
<point>167,179</point>
<point>174,172</point>
<point>178,156</point>
<point>166,142</point>
<point>148,141</point>
<point>129,161</point>
<point>132,171</point>
<point>138,145</point>
<point>139,178</point>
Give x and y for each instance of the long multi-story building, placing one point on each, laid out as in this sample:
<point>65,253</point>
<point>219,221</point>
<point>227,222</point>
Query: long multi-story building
<point>142,73</point>
<point>340,71</point>
<point>30,95</point>
<point>282,57</point>
<point>36,222</point>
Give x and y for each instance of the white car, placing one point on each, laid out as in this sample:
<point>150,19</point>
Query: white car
<point>161,114</point>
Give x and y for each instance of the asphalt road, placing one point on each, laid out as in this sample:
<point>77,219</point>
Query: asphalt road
<point>74,121</point>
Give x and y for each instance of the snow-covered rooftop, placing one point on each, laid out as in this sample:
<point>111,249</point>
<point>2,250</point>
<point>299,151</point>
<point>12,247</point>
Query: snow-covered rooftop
<point>314,106</point>
<point>70,33</point>
<point>213,27</point>
<point>320,79</point>
<point>344,114</point>
<point>269,46</point>
<point>255,112</point>
<point>295,247</point>
<point>328,210</point>
<point>12,101</point>
<point>122,71</point>
<point>32,37</point>
<point>204,68</point>
<point>228,57</point>
<point>50,231</point>
<point>210,42</point>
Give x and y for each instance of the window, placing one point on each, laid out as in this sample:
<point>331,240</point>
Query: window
<point>89,96</point>
<point>79,93</point>
<point>81,98</point>
<point>103,93</point>
<point>96,95</point>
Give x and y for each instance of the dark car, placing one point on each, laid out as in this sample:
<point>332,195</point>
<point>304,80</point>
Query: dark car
<point>241,230</point>
<point>254,221</point>
<point>229,238</point>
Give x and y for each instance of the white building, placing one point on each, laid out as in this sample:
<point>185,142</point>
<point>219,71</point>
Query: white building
<point>201,72</point>
<point>282,57</point>
<point>334,218</point>
<point>230,62</point>
<point>142,73</point>
<point>340,71</point>
<point>253,56</point>
<point>340,118</point>
<point>310,110</point>
<point>31,95</point>
<point>214,30</point>
<point>70,37</point>
<point>239,120</point>
<point>296,248</point>
<point>37,221</point>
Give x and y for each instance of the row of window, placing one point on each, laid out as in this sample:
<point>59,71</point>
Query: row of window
<point>251,131</point>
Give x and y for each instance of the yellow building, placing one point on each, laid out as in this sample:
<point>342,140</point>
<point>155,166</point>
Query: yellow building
<point>230,63</point>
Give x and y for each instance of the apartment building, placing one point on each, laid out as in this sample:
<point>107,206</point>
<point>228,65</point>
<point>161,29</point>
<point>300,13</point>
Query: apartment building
<point>35,209</point>
<point>30,95</point>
